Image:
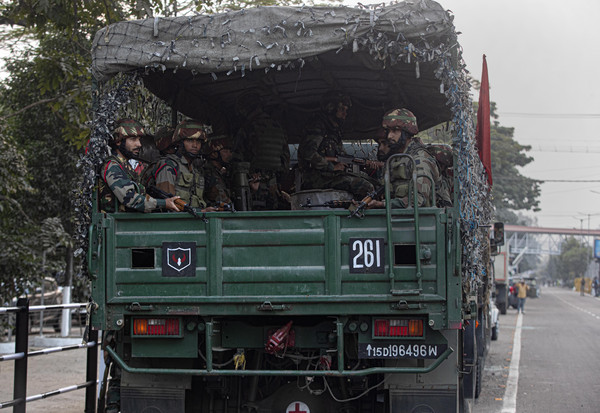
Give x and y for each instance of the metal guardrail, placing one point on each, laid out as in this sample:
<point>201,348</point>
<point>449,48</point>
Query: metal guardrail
<point>22,354</point>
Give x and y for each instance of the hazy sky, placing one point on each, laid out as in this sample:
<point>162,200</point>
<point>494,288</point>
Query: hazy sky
<point>543,63</point>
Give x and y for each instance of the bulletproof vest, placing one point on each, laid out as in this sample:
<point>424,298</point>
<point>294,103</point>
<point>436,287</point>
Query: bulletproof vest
<point>401,169</point>
<point>108,201</point>
<point>189,185</point>
<point>267,142</point>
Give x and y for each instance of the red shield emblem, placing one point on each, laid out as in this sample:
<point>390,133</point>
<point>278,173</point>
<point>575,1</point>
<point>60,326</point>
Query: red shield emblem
<point>179,258</point>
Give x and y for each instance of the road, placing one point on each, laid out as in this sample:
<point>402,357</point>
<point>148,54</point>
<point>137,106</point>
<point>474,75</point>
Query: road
<point>546,360</point>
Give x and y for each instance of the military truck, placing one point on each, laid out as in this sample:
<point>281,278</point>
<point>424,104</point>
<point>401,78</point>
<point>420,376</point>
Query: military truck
<point>298,310</point>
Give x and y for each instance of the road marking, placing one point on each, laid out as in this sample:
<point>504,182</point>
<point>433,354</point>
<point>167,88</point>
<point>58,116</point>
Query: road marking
<point>509,405</point>
<point>578,308</point>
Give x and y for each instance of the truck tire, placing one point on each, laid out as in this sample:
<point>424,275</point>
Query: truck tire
<point>501,307</point>
<point>495,333</point>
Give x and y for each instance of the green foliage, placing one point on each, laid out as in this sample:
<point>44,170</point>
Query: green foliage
<point>572,262</point>
<point>511,190</point>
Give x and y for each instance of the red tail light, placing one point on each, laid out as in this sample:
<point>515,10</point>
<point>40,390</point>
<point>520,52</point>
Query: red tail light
<point>398,328</point>
<point>156,327</point>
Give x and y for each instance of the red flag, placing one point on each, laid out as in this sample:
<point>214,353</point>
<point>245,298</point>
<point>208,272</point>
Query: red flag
<point>483,123</point>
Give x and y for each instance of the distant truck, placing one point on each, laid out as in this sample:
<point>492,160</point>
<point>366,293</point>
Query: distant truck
<point>501,281</point>
<point>294,310</point>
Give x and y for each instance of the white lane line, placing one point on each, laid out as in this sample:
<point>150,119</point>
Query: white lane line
<point>509,405</point>
<point>579,308</point>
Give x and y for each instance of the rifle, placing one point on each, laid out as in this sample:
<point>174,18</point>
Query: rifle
<point>336,203</point>
<point>223,206</point>
<point>154,192</point>
<point>345,159</point>
<point>358,210</point>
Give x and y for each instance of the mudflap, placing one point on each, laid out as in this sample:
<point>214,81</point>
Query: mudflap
<point>430,401</point>
<point>437,391</point>
<point>469,361</point>
<point>153,393</point>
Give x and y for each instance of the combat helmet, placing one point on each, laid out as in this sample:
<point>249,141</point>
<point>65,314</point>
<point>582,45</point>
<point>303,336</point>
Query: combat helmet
<point>331,100</point>
<point>191,129</point>
<point>443,155</point>
<point>248,102</point>
<point>402,119</point>
<point>215,145</point>
<point>127,128</point>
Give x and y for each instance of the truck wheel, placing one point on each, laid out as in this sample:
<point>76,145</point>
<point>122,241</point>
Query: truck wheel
<point>495,333</point>
<point>502,308</point>
<point>478,374</point>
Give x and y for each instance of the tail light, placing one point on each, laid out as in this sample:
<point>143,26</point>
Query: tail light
<point>398,328</point>
<point>156,327</point>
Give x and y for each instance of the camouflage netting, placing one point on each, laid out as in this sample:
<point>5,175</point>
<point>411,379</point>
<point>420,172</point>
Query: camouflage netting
<point>242,40</point>
<point>415,41</point>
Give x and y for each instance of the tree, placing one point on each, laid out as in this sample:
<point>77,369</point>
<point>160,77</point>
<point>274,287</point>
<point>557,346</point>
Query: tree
<point>572,262</point>
<point>511,190</point>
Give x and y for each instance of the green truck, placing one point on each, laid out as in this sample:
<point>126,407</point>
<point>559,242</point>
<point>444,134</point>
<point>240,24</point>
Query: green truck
<point>300,310</point>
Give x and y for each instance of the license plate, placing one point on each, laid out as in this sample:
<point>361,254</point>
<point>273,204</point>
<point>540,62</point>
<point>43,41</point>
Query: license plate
<point>400,350</point>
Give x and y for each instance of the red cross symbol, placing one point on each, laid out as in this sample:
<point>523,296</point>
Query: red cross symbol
<point>297,408</point>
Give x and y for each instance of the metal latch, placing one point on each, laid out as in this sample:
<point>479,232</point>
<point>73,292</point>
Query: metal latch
<point>267,306</point>
<point>404,305</point>
<point>138,307</point>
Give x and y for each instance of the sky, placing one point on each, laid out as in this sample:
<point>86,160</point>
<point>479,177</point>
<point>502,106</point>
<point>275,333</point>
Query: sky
<point>543,62</point>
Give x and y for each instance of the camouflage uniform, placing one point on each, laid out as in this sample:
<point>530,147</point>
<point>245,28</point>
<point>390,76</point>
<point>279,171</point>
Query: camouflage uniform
<point>218,183</point>
<point>323,139</point>
<point>175,175</point>
<point>263,143</point>
<point>181,173</point>
<point>401,173</point>
<point>118,180</point>
<point>445,159</point>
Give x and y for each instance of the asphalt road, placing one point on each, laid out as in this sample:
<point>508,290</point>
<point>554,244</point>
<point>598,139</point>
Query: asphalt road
<point>546,360</point>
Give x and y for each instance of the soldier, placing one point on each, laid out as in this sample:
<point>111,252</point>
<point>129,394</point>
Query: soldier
<point>118,177</point>
<point>401,126</point>
<point>181,173</point>
<point>444,156</point>
<point>216,171</point>
<point>324,140</point>
<point>263,143</point>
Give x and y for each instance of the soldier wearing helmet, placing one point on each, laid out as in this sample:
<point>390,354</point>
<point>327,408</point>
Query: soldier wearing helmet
<point>217,171</point>
<point>118,179</point>
<point>263,143</point>
<point>400,127</point>
<point>323,139</point>
<point>181,173</point>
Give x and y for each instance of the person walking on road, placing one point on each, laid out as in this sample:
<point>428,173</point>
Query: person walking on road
<point>521,296</point>
<point>582,286</point>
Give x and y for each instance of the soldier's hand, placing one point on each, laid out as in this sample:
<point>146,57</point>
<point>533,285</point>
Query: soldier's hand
<point>339,167</point>
<point>171,206</point>
<point>376,204</point>
<point>374,164</point>
<point>209,209</point>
